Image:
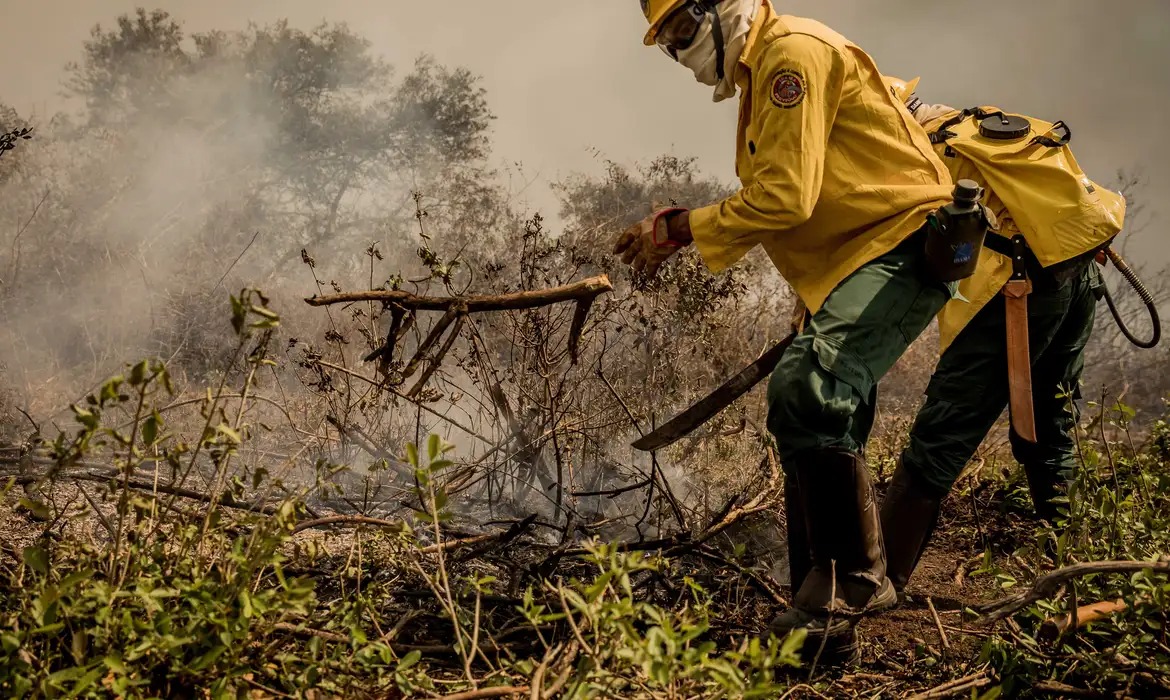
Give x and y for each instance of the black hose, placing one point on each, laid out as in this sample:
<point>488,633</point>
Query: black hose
<point>1147,299</point>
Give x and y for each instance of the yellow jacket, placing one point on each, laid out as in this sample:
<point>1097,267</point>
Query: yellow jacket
<point>1057,218</point>
<point>835,172</point>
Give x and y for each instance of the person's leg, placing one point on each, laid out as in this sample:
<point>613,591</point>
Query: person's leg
<point>966,395</point>
<point>820,409</point>
<point>1056,377</point>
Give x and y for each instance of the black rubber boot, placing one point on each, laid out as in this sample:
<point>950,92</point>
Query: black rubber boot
<point>848,561</point>
<point>1046,486</point>
<point>799,554</point>
<point>909,515</point>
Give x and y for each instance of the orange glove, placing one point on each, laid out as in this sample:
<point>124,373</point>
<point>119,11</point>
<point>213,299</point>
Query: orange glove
<point>650,242</point>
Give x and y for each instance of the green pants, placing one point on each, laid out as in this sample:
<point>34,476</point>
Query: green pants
<point>969,389</point>
<point>824,391</point>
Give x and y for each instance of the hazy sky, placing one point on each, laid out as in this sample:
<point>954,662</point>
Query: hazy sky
<point>571,79</point>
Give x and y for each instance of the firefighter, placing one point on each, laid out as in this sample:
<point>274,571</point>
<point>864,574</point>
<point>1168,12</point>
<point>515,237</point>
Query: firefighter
<point>837,184</point>
<point>970,386</point>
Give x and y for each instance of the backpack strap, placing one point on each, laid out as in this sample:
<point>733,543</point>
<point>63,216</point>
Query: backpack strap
<point>943,133</point>
<point>1050,142</point>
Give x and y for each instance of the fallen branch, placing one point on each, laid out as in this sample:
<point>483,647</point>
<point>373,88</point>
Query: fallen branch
<point>1047,585</point>
<point>959,685</point>
<point>498,691</point>
<point>1064,690</point>
<point>346,520</point>
<point>586,289</point>
<point>225,499</point>
<point>942,633</point>
<point>1056,627</point>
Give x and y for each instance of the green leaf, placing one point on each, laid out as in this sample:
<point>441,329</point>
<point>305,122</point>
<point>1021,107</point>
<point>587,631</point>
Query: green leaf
<point>9,642</point>
<point>37,559</point>
<point>412,454</point>
<point>209,658</point>
<point>433,445</point>
<point>138,374</point>
<point>246,604</point>
<point>150,428</point>
<point>229,432</point>
<point>114,663</point>
<point>66,675</point>
<point>238,315</point>
<point>37,508</point>
<point>265,312</point>
<point>793,642</point>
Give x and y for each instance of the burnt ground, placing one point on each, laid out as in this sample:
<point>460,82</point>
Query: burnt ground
<point>903,649</point>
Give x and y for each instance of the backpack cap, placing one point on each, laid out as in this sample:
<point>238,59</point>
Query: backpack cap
<point>1004,127</point>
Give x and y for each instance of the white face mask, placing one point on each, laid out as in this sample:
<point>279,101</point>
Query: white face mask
<point>735,19</point>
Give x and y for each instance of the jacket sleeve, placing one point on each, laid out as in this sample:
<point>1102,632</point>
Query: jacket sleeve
<point>796,89</point>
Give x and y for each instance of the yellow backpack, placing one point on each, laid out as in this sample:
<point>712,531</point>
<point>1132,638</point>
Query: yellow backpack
<point>1027,166</point>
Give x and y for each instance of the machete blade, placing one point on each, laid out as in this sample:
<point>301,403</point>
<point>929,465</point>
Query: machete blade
<point>686,422</point>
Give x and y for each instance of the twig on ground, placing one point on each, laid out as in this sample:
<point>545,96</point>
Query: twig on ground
<point>942,633</point>
<point>496,692</point>
<point>1048,584</point>
<point>346,520</point>
<point>1064,690</point>
<point>954,687</point>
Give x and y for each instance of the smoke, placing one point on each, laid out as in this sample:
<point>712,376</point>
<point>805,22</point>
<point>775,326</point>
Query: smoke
<point>195,174</point>
<point>129,220</point>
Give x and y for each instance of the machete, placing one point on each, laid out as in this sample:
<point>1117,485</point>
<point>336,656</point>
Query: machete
<point>686,422</point>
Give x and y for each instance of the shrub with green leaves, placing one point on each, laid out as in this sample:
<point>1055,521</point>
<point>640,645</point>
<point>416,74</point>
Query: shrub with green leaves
<point>1117,509</point>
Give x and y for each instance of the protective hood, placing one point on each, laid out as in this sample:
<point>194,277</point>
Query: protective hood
<point>735,22</point>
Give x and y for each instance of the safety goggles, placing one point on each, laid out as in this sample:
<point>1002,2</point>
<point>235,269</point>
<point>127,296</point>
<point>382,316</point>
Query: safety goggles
<point>679,29</point>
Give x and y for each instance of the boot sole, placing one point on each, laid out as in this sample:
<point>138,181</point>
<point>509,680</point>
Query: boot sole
<point>886,598</point>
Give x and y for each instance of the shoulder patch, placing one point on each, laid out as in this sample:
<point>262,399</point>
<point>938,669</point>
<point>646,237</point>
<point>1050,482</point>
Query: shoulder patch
<point>788,88</point>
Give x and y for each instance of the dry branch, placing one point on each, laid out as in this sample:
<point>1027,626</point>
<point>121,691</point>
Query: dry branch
<point>1047,585</point>
<point>437,360</point>
<point>346,520</point>
<point>942,633</point>
<point>1054,628</point>
<point>586,289</point>
<point>497,692</point>
<point>950,688</point>
<point>112,476</point>
<point>456,311</point>
<point>1064,690</point>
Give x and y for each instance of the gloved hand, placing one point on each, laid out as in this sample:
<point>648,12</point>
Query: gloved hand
<point>650,242</point>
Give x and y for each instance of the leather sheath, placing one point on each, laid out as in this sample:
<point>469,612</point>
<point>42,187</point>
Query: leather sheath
<point>1019,356</point>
